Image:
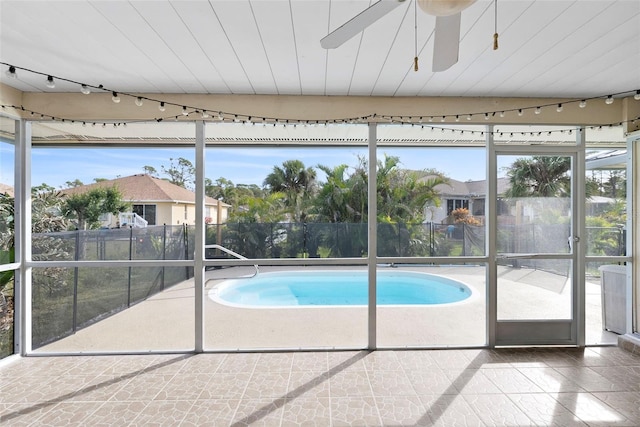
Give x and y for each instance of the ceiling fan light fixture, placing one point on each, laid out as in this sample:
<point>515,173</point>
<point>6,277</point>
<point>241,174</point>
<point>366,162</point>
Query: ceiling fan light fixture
<point>444,8</point>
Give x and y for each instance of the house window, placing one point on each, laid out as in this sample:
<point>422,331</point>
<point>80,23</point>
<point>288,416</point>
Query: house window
<point>453,204</point>
<point>148,212</point>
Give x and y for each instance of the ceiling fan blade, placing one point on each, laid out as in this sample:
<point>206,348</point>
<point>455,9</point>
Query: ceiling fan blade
<point>358,23</point>
<point>446,42</point>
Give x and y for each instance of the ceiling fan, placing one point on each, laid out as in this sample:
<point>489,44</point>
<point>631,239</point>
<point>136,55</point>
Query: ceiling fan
<point>447,31</point>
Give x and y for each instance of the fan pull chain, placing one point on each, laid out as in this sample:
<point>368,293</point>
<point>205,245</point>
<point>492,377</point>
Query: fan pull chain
<point>415,26</point>
<point>495,34</point>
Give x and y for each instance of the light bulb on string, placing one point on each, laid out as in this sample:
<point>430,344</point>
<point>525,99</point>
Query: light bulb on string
<point>609,100</point>
<point>538,110</point>
<point>85,89</point>
<point>139,101</point>
<point>559,108</point>
<point>11,72</point>
<point>161,107</point>
<point>114,97</point>
<point>486,116</point>
<point>582,103</point>
<point>637,95</point>
<point>501,114</point>
<point>50,83</point>
<point>469,117</point>
<point>520,112</point>
<point>184,111</point>
<point>205,115</point>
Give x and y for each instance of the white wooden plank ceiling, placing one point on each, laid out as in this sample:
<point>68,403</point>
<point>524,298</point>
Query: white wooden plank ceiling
<point>548,48</point>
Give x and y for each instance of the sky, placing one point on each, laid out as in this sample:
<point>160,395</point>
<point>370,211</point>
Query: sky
<point>247,165</point>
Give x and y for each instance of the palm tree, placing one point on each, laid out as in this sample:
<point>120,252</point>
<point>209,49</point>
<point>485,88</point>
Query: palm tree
<point>540,176</point>
<point>332,200</point>
<point>296,182</point>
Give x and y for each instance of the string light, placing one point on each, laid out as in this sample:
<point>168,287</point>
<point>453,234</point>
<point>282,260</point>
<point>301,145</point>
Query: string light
<point>85,89</point>
<point>11,72</point>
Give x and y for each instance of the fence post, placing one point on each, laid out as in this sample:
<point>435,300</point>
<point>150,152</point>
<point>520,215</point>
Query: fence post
<point>130,258</point>
<point>75,284</point>
<point>164,252</point>
<point>185,233</point>
<point>464,239</point>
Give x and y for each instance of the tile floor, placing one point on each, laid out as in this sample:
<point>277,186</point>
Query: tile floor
<point>597,386</point>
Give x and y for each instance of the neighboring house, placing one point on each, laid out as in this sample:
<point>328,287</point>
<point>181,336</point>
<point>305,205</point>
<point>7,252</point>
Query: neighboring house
<point>458,194</point>
<point>157,201</point>
<point>6,189</point>
<point>471,195</point>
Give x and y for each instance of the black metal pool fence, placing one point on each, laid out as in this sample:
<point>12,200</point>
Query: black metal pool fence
<point>66,299</point>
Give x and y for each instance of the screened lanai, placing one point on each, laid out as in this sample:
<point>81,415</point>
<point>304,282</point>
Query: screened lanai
<point>150,84</point>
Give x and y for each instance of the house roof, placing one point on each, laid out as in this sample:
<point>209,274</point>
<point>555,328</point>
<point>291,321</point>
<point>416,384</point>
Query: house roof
<point>4,188</point>
<point>469,188</point>
<point>145,188</point>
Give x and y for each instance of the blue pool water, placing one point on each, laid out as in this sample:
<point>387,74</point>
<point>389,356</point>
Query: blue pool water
<point>347,287</point>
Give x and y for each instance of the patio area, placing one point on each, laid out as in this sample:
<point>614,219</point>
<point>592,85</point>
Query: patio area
<point>597,386</point>
<point>165,321</point>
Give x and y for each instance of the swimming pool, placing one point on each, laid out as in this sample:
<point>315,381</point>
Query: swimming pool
<point>338,288</point>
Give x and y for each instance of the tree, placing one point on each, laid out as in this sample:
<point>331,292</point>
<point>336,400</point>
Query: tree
<point>332,200</point>
<point>75,183</point>
<point>261,209</point>
<point>403,194</point>
<point>88,206</point>
<point>181,172</point>
<point>297,183</point>
<point>540,176</point>
<point>150,170</point>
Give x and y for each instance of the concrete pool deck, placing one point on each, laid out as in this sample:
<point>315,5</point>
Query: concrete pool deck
<point>165,321</point>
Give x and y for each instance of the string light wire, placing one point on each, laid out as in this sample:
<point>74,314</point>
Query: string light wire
<point>222,115</point>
